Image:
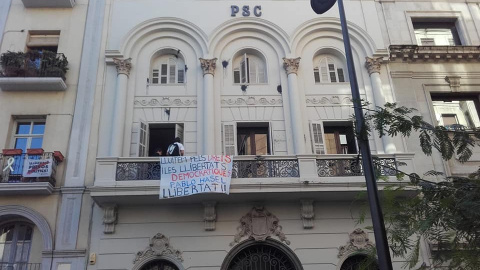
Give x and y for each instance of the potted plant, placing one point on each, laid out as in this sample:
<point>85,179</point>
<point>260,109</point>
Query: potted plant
<point>13,64</point>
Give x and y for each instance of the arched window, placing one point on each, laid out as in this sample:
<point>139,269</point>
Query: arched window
<point>168,69</point>
<point>15,243</point>
<point>249,67</point>
<point>328,69</point>
<point>160,265</point>
<point>358,262</point>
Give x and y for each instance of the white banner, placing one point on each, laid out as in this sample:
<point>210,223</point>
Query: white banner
<point>37,167</point>
<point>184,176</point>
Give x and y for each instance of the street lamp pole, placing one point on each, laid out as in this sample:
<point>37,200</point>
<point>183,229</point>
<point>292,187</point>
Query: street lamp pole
<point>384,260</point>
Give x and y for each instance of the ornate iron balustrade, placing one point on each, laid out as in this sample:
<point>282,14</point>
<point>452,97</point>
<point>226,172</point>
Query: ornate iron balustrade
<point>128,171</point>
<point>20,266</point>
<point>353,167</point>
<point>265,168</point>
<point>11,168</point>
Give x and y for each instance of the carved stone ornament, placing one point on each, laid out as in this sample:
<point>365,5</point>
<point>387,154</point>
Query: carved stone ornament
<point>159,246</point>
<point>373,65</point>
<point>358,242</point>
<point>291,64</point>
<point>166,102</point>
<point>307,214</point>
<point>109,218</point>
<point>329,100</point>
<point>252,101</point>
<point>123,65</point>
<point>454,82</point>
<point>210,215</point>
<point>259,224</point>
<point>208,65</point>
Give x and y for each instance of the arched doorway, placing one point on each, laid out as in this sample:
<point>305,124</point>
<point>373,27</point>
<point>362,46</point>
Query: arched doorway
<point>257,255</point>
<point>159,265</point>
<point>359,261</point>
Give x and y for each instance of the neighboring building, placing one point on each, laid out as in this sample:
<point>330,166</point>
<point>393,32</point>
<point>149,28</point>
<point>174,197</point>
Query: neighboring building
<point>266,82</point>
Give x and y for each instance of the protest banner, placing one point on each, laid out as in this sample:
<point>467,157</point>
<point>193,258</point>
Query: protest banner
<point>37,167</point>
<point>189,175</point>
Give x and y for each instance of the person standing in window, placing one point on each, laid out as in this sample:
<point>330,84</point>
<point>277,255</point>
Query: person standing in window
<point>176,148</point>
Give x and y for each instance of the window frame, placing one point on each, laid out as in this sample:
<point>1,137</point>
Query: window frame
<point>28,136</point>
<point>452,25</point>
<point>14,241</point>
<point>165,59</point>
<point>250,58</point>
<point>231,147</point>
<point>328,60</point>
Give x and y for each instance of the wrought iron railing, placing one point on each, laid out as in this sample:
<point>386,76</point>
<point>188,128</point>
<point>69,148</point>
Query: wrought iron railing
<point>11,168</point>
<point>263,168</point>
<point>146,170</point>
<point>33,64</point>
<point>20,266</point>
<point>353,167</point>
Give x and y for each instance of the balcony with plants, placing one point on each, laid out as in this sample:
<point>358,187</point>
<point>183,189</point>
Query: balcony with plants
<point>33,71</point>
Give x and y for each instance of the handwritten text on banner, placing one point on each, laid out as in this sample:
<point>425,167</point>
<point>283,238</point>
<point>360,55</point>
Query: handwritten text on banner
<point>189,175</point>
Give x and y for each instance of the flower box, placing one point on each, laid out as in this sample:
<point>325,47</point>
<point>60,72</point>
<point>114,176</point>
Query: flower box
<point>12,152</point>
<point>58,156</point>
<point>35,151</point>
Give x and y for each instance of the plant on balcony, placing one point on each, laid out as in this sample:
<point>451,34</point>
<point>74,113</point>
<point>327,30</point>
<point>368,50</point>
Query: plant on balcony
<point>33,64</point>
<point>444,213</point>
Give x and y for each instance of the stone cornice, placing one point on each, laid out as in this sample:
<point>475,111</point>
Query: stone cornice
<point>412,53</point>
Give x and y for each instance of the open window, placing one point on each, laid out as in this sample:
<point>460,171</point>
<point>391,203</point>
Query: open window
<point>456,109</point>
<point>436,32</point>
<point>154,136</point>
<point>247,138</point>
<point>168,67</point>
<point>16,242</point>
<point>249,67</point>
<point>333,137</point>
<point>328,68</point>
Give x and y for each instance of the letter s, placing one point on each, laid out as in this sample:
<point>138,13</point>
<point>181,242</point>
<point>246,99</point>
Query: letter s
<point>246,11</point>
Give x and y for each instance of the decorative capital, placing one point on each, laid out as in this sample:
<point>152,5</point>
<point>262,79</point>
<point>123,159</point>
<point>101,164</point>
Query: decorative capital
<point>210,215</point>
<point>159,246</point>
<point>308,214</point>
<point>454,82</point>
<point>208,65</point>
<point>123,65</point>
<point>358,242</point>
<point>109,218</point>
<point>373,65</point>
<point>291,64</point>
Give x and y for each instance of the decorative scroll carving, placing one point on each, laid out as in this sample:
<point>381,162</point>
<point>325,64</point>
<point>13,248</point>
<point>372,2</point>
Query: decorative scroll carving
<point>252,101</point>
<point>358,242</point>
<point>454,82</point>
<point>373,65</point>
<point>159,245</point>
<point>307,214</point>
<point>109,218</point>
<point>208,65</point>
<point>259,224</point>
<point>330,100</point>
<point>210,215</point>
<point>165,101</point>
<point>123,65</point>
<point>291,64</point>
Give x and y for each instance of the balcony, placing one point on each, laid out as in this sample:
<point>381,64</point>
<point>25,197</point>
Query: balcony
<point>48,3</point>
<point>15,179</point>
<point>117,179</point>
<point>20,266</point>
<point>33,71</point>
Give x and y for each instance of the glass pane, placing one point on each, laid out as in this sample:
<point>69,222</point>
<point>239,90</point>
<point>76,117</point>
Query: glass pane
<point>333,77</point>
<point>6,252</point>
<point>331,67</point>
<point>21,232</point>
<point>36,142</point>
<point>163,80</point>
<point>341,77</point>
<point>316,74</point>
<point>23,128</point>
<point>38,128</point>
<point>19,251</point>
<point>462,112</point>
<point>26,249</point>
<point>7,233</point>
<point>28,233</point>
<point>21,143</point>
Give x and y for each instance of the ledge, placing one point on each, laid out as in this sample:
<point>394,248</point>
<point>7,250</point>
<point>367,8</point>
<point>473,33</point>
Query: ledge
<point>48,3</point>
<point>32,84</point>
<point>38,188</point>
<point>412,53</point>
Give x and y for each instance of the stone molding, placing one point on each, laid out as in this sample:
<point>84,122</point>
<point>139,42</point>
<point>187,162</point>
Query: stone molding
<point>252,101</point>
<point>166,102</point>
<point>412,53</point>
<point>373,64</point>
<point>210,215</point>
<point>110,213</point>
<point>123,65</point>
<point>208,65</point>
<point>291,65</point>
<point>329,100</point>
<point>307,214</point>
<point>454,82</point>
<point>358,242</point>
<point>259,224</point>
<point>159,246</point>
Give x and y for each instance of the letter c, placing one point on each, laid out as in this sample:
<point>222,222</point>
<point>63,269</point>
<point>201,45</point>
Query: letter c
<point>257,10</point>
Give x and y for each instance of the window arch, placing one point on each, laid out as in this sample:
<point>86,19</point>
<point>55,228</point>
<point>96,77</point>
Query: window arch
<point>329,68</point>
<point>16,241</point>
<point>168,68</point>
<point>159,265</point>
<point>249,67</point>
<point>357,262</point>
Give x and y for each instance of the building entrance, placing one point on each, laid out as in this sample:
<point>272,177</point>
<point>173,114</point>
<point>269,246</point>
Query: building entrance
<point>159,265</point>
<point>261,257</point>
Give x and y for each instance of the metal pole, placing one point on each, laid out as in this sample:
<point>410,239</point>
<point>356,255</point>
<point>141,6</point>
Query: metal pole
<point>385,262</point>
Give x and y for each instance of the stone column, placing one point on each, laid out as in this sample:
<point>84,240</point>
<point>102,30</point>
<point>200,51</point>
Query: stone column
<point>208,67</point>
<point>291,67</point>
<point>118,121</point>
<point>373,66</point>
